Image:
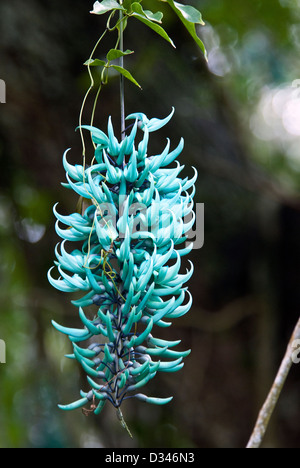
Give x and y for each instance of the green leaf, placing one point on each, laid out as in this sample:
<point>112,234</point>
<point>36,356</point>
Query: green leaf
<point>95,63</point>
<point>139,14</point>
<point>127,4</point>
<point>158,16</point>
<point>189,17</point>
<point>114,54</point>
<point>125,73</point>
<point>106,5</point>
<point>137,8</point>
<point>190,13</point>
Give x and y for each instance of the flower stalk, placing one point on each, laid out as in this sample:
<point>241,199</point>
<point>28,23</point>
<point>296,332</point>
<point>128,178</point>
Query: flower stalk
<point>122,79</point>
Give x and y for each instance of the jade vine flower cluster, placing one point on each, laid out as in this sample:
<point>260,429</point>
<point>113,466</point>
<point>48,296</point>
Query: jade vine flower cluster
<point>127,269</point>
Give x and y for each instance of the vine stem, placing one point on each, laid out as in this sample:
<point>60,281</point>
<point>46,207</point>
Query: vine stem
<point>92,82</point>
<point>123,422</point>
<point>122,84</point>
<point>273,396</point>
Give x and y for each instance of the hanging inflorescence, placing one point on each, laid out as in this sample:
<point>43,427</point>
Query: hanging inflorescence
<point>132,234</point>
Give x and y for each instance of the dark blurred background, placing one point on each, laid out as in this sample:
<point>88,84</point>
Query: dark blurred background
<point>240,118</point>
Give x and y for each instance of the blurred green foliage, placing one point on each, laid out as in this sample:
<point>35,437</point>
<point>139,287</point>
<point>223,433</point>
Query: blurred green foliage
<point>240,118</point>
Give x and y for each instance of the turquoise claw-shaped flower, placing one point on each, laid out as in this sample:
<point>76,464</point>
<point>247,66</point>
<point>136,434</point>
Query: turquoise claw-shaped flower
<point>128,266</point>
<point>151,125</point>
